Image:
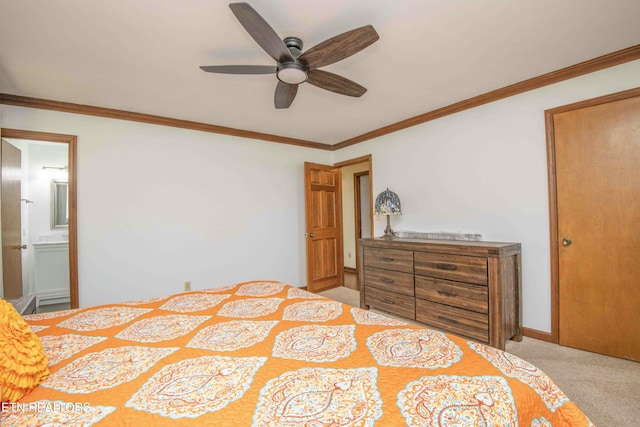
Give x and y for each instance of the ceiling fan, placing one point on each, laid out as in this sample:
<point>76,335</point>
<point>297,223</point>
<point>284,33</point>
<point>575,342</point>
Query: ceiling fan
<point>294,67</point>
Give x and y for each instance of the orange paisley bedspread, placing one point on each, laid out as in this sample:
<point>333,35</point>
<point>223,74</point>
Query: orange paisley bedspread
<point>268,354</point>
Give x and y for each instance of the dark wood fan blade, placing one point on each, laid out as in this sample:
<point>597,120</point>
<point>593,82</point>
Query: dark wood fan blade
<point>339,47</point>
<point>261,32</point>
<point>285,94</point>
<point>335,83</point>
<point>239,69</point>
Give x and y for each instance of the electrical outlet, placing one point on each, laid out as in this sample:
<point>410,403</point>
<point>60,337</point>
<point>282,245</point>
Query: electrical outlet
<point>187,285</point>
<point>349,253</point>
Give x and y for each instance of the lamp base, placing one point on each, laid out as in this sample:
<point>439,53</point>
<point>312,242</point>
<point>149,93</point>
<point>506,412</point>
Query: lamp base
<point>388,232</point>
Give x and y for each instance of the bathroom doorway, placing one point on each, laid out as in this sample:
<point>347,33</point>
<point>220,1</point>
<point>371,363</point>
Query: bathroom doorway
<point>47,230</point>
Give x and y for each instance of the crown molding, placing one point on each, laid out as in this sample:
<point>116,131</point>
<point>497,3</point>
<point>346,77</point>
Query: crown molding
<point>89,110</point>
<point>606,61</point>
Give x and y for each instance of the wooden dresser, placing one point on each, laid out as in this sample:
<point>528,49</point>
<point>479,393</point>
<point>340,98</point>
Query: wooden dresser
<point>471,289</point>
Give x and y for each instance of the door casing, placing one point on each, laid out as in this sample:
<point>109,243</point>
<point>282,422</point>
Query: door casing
<point>71,141</point>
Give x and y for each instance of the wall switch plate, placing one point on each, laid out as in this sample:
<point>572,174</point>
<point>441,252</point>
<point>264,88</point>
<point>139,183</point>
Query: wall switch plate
<point>187,285</point>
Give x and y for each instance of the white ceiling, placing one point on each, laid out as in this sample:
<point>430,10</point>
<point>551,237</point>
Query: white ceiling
<point>143,55</point>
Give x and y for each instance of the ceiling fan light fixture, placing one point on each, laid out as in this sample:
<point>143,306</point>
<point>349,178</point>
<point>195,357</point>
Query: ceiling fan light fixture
<point>292,73</point>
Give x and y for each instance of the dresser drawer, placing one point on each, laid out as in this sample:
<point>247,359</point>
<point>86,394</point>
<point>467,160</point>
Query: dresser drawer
<point>456,294</point>
<point>389,259</point>
<point>460,268</point>
<point>456,320</point>
<point>391,302</point>
<point>391,281</point>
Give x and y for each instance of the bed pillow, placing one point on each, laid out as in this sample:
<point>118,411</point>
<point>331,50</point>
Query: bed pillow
<point>23,362</point>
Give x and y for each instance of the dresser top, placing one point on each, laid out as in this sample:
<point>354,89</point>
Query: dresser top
<point>490,249</point>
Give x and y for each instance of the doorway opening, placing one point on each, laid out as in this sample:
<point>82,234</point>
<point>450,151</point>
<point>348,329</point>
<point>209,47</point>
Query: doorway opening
<point>357,215</point>
<point>58,243</point>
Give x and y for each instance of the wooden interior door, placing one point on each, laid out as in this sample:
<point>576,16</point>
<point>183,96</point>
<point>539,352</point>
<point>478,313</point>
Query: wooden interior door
<point>597,153</point>
<point>323,216</point>
<point>11,240</point>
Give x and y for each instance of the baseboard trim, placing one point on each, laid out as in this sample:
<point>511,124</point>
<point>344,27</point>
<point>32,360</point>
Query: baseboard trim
<point>52,296</point>
<point>350,270</point>
<point>538,335</point>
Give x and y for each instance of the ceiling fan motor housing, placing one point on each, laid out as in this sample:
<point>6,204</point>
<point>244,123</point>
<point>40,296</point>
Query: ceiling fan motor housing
<point>295,45</point>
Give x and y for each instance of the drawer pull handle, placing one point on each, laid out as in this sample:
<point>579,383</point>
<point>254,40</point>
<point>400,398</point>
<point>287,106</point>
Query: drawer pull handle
<point>446,319</point>
<point>447,294</point>
<point>449,267</point>
<point>388,259</point>
<point>385,280</point>
<point>387,301</point>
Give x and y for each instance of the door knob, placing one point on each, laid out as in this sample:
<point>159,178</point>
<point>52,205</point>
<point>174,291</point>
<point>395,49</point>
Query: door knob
<point>566,241</point>
<point>21,247</point>
<point>308,234</point>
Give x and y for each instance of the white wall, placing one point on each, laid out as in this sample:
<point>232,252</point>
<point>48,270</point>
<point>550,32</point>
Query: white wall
<point>484,171</point>
<point>158,206</point>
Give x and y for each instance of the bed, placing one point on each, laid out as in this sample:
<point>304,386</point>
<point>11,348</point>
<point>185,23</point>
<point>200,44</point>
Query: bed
<point>264,353</point>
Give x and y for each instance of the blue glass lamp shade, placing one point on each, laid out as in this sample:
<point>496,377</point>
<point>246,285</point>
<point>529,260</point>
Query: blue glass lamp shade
<point>388,203</point>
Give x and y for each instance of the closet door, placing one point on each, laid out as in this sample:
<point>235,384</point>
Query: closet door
<point>597,153</point>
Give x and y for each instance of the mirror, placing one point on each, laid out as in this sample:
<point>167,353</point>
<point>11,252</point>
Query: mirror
<point>59,204</point>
